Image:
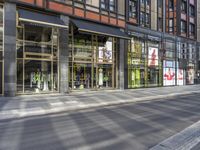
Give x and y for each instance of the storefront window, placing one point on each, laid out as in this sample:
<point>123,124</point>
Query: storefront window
<point>170,64</point>
<point>136,64</point>
<point>154,65</point>
<point>1,50</point>
<point>144,67</point>
<point>92,61</point>
<point>37,59</point>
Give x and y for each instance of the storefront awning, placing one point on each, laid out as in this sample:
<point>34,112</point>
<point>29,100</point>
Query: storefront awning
<point>34,17</point>
<point>99,29</point>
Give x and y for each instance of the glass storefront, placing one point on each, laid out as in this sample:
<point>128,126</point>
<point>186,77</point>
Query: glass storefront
<point>1,50</point>
<point>136,64</point>
<point>92,62</point>
<point>144,65</point>
<point>37,58</point>
<point>169,64</point>
<point>186,64</point>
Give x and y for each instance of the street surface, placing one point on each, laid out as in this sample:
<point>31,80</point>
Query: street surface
<point>133,126</point>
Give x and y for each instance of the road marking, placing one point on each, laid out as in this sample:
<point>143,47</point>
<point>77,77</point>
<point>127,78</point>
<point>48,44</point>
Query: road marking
<point>184,140</point>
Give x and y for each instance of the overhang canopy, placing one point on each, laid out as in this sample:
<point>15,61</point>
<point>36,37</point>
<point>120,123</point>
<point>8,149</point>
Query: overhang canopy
<point>99,29</point>
<point>35,17</point>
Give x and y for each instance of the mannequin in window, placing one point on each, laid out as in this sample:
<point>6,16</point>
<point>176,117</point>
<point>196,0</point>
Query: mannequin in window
<point>100,77</point>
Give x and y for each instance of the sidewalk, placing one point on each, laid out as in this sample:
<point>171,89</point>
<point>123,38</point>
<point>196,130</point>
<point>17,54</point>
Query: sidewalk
<point>32,105</point>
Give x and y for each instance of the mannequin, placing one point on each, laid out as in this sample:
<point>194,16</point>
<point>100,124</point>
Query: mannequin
<point>100,77</point>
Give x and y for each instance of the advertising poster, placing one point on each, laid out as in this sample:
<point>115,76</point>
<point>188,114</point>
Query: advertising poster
<point>180,77</point>
<point>108,52</point>
<point>190,76</point>
<point>105,53</point>
<point>168,76</point>
<point>153,57</point>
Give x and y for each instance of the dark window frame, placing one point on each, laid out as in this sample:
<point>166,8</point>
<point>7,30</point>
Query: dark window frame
<point>107,5</point>
<point>133,7</point>
<point>183,26</point>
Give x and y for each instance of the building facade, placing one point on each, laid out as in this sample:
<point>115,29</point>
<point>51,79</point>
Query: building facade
<point>57,46</point>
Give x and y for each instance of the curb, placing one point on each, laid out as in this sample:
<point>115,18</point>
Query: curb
<point>31,112</point>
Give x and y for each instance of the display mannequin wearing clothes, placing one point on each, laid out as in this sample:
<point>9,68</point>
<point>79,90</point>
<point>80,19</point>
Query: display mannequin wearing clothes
<point>100,77</point>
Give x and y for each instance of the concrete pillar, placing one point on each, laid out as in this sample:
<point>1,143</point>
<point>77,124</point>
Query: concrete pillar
<point>122,63</point>
<point>64,57</point>
<point>9,49</point>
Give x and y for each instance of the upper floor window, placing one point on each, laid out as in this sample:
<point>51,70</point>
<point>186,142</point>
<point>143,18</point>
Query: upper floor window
<point>147,2</point>
<point>142,1</point>
<point>108,5</point>
<point>160,3</point>
<point>192,11</point>
<point>171,5</point>
<point>133,8</point>
<point>103,4</point>
<point>192,29</point>
<point>112,5</point>
<point>183,26</point>
<point>147,20</point>
<point>160,24</point>
<point>142,18</point>
<point>184,6</point>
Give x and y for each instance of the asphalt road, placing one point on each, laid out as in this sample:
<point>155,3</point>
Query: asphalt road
<point>136,126</point>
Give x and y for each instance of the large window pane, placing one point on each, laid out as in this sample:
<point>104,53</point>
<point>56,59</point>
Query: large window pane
<point>37,59</point>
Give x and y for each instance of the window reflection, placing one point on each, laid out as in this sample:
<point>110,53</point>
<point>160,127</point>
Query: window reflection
<point>92,61</point>
<point>37,59</point>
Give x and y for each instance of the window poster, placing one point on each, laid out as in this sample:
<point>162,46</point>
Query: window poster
<point>168,76</point>
<point>180,77</point>
<point>190,76</point>
<point>153,57</point>
<point>108,51</point>
<point>168,72</point>
<point>105,53</point>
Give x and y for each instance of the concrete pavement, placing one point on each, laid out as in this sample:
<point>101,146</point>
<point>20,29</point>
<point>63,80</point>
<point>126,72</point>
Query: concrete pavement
<point>26,106</point>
